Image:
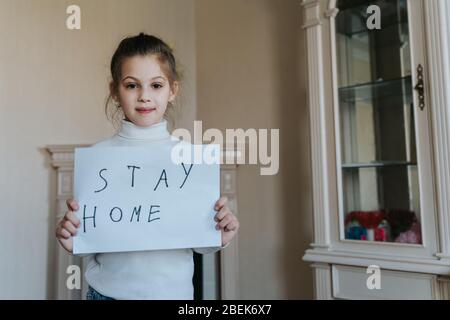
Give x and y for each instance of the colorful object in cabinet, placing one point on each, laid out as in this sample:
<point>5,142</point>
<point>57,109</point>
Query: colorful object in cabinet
<point>367,219</point>
<point>367,225</point>
<point>384,225</point>
<point>382,233</point>
<point>401,221</point>
<point>413,235</point>
<point>355,232</point>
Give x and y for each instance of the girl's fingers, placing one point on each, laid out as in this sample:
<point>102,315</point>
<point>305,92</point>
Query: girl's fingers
<point>232,226</point>
<point>72,217</point>
<point>67,225</point>
<point>228,218</point>
<point>62,233</point>
<point>222,213</point>
<point>72,205</point>
<point>220,203</point>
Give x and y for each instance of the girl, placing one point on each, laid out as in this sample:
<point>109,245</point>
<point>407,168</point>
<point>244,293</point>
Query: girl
<point>144,85</point>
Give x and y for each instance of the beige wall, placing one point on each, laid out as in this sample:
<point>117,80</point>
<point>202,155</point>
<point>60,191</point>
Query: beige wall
<point>251,74</point>
<point>53,85</point>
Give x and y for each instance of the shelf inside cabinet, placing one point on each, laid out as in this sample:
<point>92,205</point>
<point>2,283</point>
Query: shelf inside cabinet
<point>375,164</point>
<point>378,90</point>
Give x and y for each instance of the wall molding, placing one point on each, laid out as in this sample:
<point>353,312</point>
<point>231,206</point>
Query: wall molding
<point>317,114</point>
<point>311,13</point>
<point>322,281</point>
<point>359,258</point>
<point>437,42</point>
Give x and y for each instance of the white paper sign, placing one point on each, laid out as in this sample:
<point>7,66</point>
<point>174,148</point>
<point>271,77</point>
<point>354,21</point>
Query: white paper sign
<point>137,198</point>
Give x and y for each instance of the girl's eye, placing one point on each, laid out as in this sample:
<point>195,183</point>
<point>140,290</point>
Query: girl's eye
<point>130,86</point>
<point>157,85</point>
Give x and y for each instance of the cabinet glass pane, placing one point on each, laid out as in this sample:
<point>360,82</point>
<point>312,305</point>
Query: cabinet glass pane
<point>380,186</point>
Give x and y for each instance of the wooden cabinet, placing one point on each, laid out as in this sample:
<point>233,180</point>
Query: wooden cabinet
<point>380,134</point>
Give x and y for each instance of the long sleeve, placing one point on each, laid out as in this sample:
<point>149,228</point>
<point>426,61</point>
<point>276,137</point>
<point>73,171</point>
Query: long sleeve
<point>209,249</point>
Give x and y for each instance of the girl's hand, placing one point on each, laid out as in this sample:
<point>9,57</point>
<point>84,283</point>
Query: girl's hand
<point>226,221</point>
<point>67,227</point>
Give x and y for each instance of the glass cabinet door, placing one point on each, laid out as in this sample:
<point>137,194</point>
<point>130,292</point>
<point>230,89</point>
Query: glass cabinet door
<point>379,169</point>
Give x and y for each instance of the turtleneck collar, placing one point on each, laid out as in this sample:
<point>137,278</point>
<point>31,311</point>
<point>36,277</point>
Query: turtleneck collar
<point>157,131</point>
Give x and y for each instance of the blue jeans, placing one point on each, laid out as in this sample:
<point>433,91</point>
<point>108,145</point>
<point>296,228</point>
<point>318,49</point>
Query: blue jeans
<point>93,294</point>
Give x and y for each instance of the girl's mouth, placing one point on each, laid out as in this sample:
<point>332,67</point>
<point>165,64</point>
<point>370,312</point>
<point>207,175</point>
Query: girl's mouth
<point>145,110</point>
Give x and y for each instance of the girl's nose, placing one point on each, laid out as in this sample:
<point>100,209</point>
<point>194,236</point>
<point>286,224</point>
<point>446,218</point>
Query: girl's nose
<point>144,95</point>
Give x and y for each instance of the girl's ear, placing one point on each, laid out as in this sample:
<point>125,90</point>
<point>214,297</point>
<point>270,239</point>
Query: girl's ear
<point>112,91</point>
<point>174,91</point>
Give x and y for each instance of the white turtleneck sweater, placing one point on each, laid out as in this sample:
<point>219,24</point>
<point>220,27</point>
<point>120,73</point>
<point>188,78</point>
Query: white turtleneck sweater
<point>157,274</point>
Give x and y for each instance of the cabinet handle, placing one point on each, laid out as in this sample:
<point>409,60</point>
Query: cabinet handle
<point>420,87</point>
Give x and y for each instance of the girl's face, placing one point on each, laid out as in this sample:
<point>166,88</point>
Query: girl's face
<point>144,90</point>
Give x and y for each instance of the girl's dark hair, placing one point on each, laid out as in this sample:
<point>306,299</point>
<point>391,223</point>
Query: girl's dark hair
<point>143,45</point>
